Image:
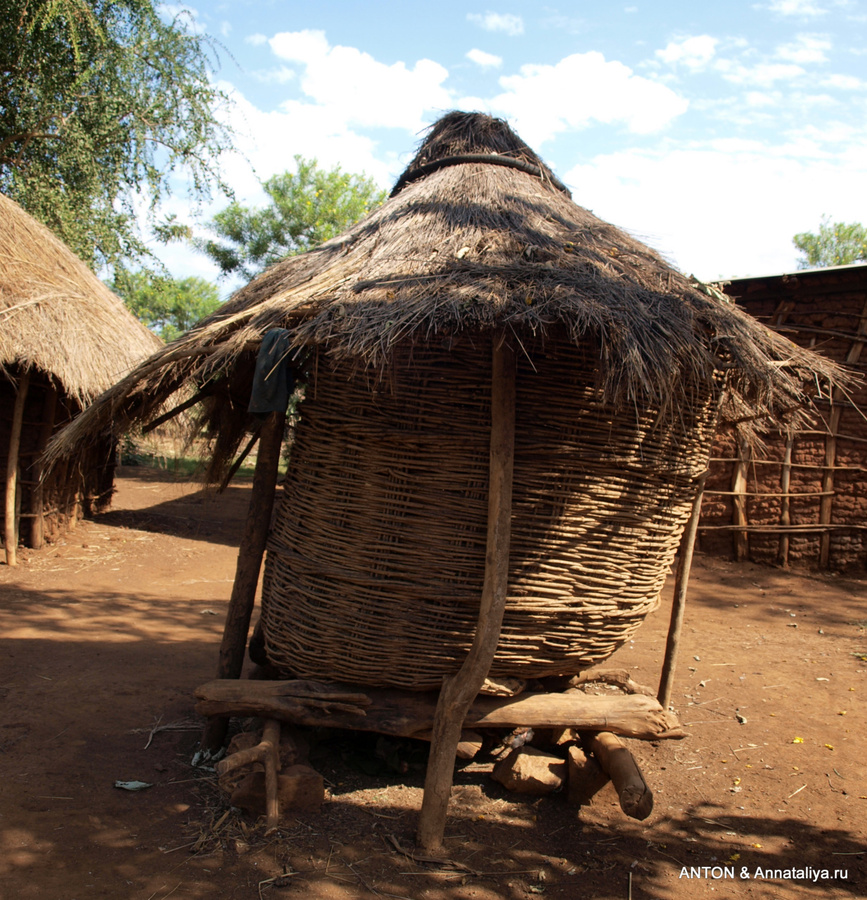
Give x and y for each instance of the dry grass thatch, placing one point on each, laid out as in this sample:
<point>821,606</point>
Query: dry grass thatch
<point>464,246</point>
<point>57,316</point>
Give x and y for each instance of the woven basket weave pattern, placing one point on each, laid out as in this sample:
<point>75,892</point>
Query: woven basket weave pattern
<point>375,566</point>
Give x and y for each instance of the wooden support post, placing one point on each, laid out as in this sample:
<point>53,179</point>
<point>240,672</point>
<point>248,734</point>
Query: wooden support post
<point>11,521</point>
<point>238,462</point>
<point>266,752</point>
<point>459,691</point>
<point>250,553</point>
<point>672,643</point>
<point>271,737</point>
<point>182,407</point>
<point>37,495</point>
<point>785,505</point>
<point>826,504</point>
<point>739,501</point>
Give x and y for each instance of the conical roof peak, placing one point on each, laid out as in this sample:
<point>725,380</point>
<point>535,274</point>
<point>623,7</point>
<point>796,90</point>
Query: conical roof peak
<point>474,137</point>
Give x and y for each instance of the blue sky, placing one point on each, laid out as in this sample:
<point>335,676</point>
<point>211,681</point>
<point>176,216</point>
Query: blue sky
<point>713,132</point>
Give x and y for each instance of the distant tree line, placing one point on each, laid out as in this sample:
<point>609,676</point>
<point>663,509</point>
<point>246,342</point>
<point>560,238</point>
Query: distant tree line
<point>834,244</point>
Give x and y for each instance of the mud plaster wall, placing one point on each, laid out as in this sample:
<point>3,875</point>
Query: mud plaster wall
<point>824,310</point>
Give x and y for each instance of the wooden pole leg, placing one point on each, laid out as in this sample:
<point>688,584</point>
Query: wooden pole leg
<point>459,691</point>
<point>46,429</point>
<point>672,642</point>
<point>250,555</point>
<point>11,518</point>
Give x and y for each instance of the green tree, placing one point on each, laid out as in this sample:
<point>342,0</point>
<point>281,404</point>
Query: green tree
<point>103,103</point>
<point>307,207</point>
<point>168,306</point>
<point>836,244</point>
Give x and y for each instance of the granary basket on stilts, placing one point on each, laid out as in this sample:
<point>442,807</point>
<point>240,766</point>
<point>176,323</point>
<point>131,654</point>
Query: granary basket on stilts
<point>507,415</point>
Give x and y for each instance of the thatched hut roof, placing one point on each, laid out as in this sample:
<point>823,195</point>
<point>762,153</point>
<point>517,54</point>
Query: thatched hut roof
<point>479,234</point>
<point>57,316</point>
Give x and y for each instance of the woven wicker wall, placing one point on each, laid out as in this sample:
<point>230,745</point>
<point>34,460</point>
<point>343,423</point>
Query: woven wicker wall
<point>374,569</point>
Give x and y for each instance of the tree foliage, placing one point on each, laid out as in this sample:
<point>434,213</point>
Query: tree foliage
<point>168,306</point>
<point>307,207</point>
<point>835,244</point>
<point>102,101</point>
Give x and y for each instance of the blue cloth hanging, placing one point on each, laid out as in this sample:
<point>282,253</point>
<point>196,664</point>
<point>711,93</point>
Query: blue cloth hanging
<point>274,377</point>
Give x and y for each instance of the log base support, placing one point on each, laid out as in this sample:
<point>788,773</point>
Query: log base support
<point>267,754</point>
<point>412,713</point>
<point>614,758</point>
<point>597,719</point>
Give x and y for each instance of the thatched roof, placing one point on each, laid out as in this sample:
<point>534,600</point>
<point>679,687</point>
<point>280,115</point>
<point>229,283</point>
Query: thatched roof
<point>479,234</point>
<point>57,316</point>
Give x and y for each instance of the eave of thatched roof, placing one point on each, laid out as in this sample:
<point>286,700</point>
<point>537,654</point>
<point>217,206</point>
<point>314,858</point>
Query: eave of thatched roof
<point>471,245</point>
<point>57,316</point>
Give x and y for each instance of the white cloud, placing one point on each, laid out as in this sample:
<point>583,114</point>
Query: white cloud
<point>225,28</point>
<point>805,49</point>
<point>187,15</point>
<point>257,40</point>
<point>485,60</point>
<point>761,100</point>
<point>598,91</point>
<point>280,75</point>
<point>355,88</point>
<point>804,8</point>
<point>505,22</point>
<point>762,75</point>
<point>843,82</point>
<point>266,143</point>
<point>692,52</point>
<point>724,209</point>
<point>300,46</point>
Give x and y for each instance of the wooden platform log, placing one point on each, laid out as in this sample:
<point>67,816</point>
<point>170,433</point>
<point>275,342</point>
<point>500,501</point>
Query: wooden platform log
<point>636,798</point>
<point>411,714</point>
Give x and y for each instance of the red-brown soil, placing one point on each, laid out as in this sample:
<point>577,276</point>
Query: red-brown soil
<point>106,634</point>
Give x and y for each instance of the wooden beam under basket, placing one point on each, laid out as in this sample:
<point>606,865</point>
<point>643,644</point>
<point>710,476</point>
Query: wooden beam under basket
<point>411,714</point>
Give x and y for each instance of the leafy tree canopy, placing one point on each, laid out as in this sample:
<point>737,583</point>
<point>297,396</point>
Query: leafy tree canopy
<point>168,306</point>
<point>307,207</point>
<point>836,244</point>
<point>101,101</point>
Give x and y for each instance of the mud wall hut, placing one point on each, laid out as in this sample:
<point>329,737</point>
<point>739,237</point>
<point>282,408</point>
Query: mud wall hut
<point>801,499</point>
<point>479,276</point>
<point>64,339</point>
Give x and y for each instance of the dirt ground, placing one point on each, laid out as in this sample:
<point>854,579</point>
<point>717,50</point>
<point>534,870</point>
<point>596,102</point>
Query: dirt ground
<point>106,634</point>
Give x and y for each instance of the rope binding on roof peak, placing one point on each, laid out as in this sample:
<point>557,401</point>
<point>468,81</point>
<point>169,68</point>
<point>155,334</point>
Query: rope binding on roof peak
<point>494,159</point>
